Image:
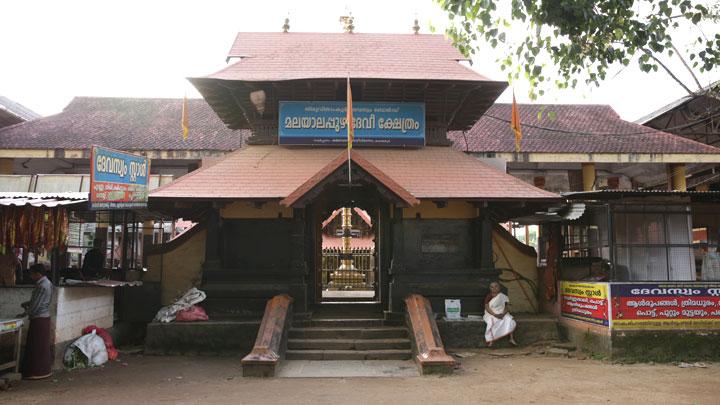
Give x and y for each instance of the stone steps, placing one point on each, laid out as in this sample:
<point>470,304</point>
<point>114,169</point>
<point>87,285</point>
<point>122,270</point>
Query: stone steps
<point>383,332</point>
<point>348,344</point>
<point>345,323</point>
<point>387,354</point>
<point>364,336</point>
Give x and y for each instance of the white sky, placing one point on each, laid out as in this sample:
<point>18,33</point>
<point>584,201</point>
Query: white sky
<point>54,50</point>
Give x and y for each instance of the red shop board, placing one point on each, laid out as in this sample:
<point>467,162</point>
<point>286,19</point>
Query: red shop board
<point>585,302</point>
<point>667,305</point>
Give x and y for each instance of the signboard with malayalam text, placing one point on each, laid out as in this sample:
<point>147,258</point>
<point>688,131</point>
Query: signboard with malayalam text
<point>376,123</point>
<point>586,302</point>
<point>118,180</point>
<point>666,305</point>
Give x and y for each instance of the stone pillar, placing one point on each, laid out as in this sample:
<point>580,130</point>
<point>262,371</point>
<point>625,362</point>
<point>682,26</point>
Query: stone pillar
<point>676,177</point>
<point>588,176</point>
<point>6,166</point>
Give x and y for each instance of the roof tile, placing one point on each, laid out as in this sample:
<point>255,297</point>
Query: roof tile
<point>576,128</point>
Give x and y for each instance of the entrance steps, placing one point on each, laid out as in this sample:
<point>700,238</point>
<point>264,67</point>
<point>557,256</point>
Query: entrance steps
<point>348,339</point>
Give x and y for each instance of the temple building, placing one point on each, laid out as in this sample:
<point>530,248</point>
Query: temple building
<point>433,209</point>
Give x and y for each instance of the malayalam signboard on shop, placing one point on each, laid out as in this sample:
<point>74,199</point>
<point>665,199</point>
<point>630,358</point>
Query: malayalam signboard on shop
<point>375,123</point>
<point>666,305</point>
<point>585,302</point>
<point>118,180</point>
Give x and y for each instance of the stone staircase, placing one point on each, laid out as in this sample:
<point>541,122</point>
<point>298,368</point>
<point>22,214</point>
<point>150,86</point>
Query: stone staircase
<point>348,339</point>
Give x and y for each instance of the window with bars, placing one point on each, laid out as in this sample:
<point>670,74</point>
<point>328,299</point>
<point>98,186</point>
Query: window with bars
<point>653,243</point>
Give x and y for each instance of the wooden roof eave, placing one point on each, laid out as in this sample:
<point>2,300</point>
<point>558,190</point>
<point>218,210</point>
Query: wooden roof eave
<point>230,98</point>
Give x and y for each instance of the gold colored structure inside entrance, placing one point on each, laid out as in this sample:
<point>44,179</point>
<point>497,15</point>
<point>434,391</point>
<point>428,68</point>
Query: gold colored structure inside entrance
<point>347,271</point>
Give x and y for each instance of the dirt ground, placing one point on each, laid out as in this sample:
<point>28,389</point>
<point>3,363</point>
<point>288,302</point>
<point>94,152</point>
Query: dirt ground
<point>485,377</point>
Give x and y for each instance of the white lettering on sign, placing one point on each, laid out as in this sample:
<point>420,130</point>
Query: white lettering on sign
<point>119,167</point>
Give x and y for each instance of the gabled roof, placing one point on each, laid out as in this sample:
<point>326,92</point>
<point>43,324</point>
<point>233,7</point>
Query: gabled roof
<point>679,102</point>
<point>576,128</point>
<point>335,164</point>
<point>124,123</point>
<point>12,112</point>
<point>300,66</point>
<point>274,172</point>
<point>278,56</point>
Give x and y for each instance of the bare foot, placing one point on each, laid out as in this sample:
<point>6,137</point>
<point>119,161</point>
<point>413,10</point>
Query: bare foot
<point>513,343</point>
<point>489,344</point>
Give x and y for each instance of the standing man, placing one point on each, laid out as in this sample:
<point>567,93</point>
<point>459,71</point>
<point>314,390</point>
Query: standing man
<point>38,359</point>
<point>94,263</point>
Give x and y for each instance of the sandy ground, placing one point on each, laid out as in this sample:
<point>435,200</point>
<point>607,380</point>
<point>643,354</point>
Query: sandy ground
<point>482,378</point>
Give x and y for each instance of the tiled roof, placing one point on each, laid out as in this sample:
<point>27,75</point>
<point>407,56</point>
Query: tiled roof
<point>340,160</point>
<point>12,112</point>
<point>124,123</point>
<point>576,128</point>
<point>274,172</point>
<point>277,56</point>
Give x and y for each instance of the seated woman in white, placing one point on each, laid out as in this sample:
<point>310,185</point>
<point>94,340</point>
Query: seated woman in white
<point>499,323</point>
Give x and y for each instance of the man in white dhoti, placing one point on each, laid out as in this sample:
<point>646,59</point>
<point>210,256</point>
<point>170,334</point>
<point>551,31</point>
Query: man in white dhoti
<point>499,323</point>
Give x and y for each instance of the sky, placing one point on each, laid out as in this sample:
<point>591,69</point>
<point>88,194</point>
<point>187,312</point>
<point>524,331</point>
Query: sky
<point>55,50</point>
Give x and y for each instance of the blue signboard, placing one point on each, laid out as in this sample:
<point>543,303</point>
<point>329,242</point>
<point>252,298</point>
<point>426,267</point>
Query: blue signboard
<point>118,180</point>
<point>376,124</point>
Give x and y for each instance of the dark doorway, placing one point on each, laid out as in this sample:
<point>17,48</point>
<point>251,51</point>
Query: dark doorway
<point>346,278</point>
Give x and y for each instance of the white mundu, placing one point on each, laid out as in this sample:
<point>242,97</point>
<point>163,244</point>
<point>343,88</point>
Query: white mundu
<point>498,328</point>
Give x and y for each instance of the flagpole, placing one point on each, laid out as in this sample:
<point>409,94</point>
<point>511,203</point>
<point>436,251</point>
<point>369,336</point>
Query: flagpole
<point>350,139</point>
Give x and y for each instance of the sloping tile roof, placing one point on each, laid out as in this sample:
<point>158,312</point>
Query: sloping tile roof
<point>273,172</point>
<point>278,56</point>
<point>12,112</point>
<point>577,128</point>
<point>124,123</point>
<point>335,164</point>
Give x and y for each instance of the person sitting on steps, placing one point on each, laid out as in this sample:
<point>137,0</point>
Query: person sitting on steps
<point>498,322</point>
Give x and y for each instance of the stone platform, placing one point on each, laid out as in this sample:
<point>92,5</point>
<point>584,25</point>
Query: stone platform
<point>215,337</point>
<point>470,333</point>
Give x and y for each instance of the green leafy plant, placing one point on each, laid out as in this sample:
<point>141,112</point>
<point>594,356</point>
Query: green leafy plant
<point>583,39</point>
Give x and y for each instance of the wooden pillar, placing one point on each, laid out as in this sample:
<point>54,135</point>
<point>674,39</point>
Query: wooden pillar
<point>676,177</point>
<point>486,244</point>
<point>297,241</point>
<point>398,245</point>
<point>6,166</point>
<point>212,241</point>
<point>588,176</point>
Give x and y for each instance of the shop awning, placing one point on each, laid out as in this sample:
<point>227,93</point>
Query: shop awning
<point>42,199</point>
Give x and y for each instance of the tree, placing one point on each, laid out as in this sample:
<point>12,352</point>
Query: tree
<point>583,39</point>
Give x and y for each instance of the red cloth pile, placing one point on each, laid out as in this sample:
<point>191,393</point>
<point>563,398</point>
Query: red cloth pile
<point>194,313</point>
<point>112,352</point>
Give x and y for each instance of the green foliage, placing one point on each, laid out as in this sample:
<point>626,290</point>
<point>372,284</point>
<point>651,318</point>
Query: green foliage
<point>581,38</point>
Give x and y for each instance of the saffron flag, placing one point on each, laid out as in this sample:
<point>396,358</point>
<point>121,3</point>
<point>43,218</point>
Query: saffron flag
<point>350,124</point>
<point>184,120</point>
<point>515,124</point>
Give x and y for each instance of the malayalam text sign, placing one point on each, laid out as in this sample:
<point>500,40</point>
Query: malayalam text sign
<point>585,302</point>
<point>118,180</point>
<point>666,305</point>
<point>376,123</point>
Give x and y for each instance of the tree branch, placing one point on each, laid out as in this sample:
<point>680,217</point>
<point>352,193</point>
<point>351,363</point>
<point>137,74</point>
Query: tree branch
<point>648,53</point>
<point>687,67</point>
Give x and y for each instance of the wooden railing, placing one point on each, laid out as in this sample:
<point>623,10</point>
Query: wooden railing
<point>271,339</point>
<point>430,352</point>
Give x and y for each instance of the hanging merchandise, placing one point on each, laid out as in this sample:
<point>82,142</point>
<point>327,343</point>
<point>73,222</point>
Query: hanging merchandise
<point>34,228</point>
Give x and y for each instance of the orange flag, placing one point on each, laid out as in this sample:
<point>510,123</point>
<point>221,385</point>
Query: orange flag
<point>350,124</point>
<point>184,121</point>
<point>515,124</point>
